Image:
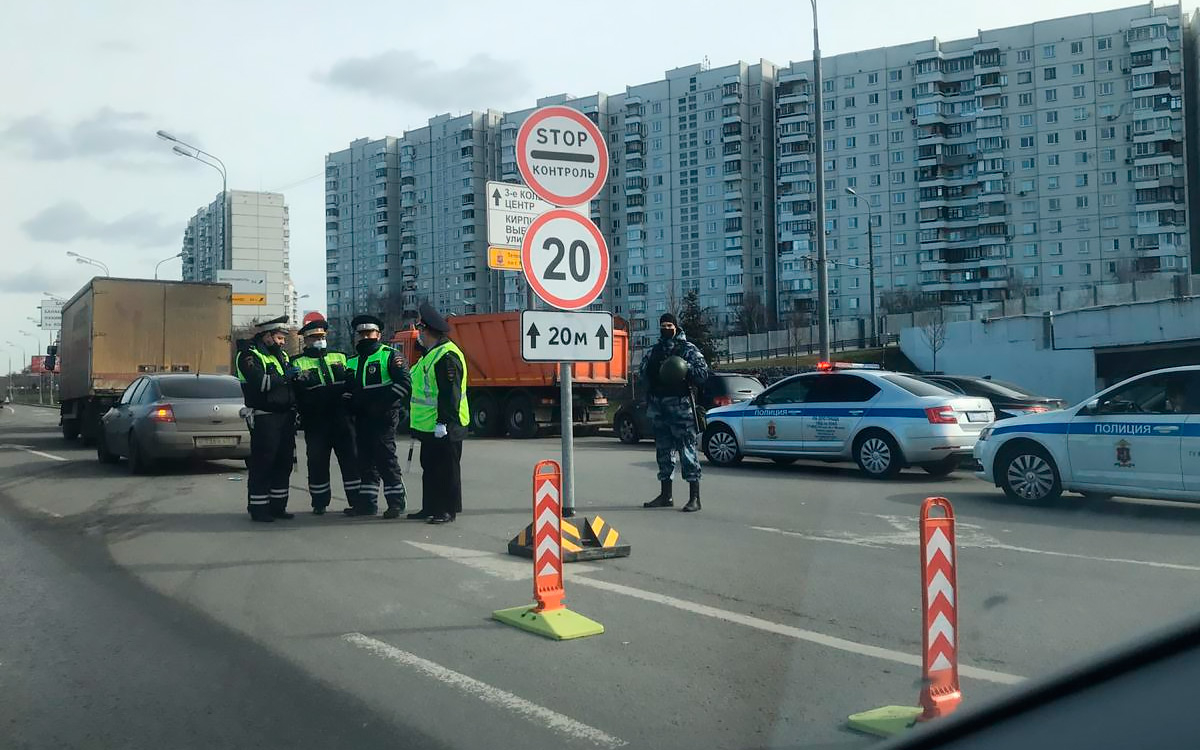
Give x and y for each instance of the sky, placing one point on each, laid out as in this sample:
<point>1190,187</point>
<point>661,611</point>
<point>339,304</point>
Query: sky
<point>271,87</point>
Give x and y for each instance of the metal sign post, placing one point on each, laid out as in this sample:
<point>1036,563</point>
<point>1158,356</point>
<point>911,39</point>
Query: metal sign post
<point>567,418</point>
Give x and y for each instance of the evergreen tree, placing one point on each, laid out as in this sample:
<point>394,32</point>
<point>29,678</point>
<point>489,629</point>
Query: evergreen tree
<point>695,322</point>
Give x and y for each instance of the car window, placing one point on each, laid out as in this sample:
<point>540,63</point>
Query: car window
<point>1168,393</point>
<point>132,391</point>
<point>949,385</point>
<point>789,392</point>
<point>723,385</point>
<point>148,394</point>
<point>217,388</point>
<point>996,388</point>
<point>840,389</point>
<point>916,386</point>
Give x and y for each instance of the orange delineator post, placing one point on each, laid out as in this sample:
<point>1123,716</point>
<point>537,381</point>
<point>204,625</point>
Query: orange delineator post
<point>547,536</point>
<point>940,693</point>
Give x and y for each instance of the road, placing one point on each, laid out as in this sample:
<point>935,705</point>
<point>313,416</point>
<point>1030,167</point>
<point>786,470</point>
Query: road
<point>790,602</point>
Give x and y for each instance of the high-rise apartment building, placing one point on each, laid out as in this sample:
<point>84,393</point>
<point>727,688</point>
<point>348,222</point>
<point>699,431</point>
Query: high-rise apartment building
<point>1025,160</point>
<point>256,241</point>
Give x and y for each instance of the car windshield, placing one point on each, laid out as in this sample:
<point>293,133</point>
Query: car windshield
<point>737,384</point>
<point>916,386</point>
<point>226,389</point>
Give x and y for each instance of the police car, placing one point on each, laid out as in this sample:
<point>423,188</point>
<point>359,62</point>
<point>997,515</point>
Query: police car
<point>882,420</point>
<point>1139,438</point>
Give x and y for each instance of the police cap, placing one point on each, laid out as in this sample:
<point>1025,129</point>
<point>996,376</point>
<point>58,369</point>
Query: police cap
<point>274,324</point>
<point>432,319</point>
<point>362,323</point>
<point>314,326</point>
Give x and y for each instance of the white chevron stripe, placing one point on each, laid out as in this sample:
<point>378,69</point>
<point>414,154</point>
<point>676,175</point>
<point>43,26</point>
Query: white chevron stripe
<point>548,518</point>
<point>938,541</point>
<point>940,585</point>
<point>941,626</point>
<point>547,489</point>
<point>548,569</point>
<point>941,662</point>
<point>547,544</point>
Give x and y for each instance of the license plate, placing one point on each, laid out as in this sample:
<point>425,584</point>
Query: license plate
<point>216,442</point>
<point>978,416</point>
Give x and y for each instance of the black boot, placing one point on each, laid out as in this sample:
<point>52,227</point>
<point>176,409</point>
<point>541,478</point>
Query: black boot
<point>693,503</point>
<point>664,496</point>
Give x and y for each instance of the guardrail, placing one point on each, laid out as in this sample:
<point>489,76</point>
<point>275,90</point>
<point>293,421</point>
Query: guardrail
<point>808,348</point>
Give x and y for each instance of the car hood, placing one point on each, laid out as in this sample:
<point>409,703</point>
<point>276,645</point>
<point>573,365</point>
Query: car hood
<point>1015,423</point>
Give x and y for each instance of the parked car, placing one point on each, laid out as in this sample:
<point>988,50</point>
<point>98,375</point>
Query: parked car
<point>173,416</point>
<point>631,424</point>
<point>1138,438</point>
<point>1008,400</point>
<point>882,420</point>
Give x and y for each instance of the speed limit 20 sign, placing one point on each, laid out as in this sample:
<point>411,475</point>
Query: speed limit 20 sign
<point>565,259</point>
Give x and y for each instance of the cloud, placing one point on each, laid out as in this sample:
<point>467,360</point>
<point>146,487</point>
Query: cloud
<point>399,74</point>
<point>116,46</point>
<point>33,280</point>
<point>106,133</point>
<point>67,221</point>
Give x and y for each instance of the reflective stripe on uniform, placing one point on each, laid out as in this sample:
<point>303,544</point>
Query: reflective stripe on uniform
<point>258,499</point>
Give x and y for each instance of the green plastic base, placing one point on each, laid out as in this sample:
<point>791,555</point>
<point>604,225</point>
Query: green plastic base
<point>886,721</point>
<point>559,624</point>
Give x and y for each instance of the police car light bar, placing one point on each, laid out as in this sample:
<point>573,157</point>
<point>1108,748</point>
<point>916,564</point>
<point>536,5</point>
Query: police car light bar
<point>829,366</point>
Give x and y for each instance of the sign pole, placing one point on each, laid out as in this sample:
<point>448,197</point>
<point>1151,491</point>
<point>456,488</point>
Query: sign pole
<point>567,419</point>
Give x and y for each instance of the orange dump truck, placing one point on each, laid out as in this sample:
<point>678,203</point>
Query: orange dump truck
<point>508,394</point>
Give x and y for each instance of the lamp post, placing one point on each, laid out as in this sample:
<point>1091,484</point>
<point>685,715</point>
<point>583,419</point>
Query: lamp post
<point>88,261</point>
<point>164,260</point>
<point>10,370</point>
<point>870,259</point>
<point>38,343</point>
<point>822,257</point>
<point>192,152</point>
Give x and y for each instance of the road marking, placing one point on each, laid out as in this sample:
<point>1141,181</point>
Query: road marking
<point>974,539</point>
<point>14,411</point>
<point>494,696</point>
<point>27,449</point>
<point>496,565</point>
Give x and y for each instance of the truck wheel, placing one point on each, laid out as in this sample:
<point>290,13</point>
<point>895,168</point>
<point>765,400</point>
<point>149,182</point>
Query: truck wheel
<point>626,429</point>
<point>486,420</point>
<point>70,429</point>
<point>519,417</point>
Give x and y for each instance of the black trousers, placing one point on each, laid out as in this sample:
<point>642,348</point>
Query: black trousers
<point>441,476</point>
<point>376,434</point>
<point>323,435</point>
<point>272,448</point>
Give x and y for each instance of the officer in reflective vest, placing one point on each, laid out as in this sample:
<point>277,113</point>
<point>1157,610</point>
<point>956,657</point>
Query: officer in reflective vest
<point>379,385</point>
<point>325,416</point>
<point>265,372</point>
<point>439,416</point>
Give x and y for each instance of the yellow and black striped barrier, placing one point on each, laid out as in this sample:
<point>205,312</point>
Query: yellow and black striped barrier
<point>593,539</point>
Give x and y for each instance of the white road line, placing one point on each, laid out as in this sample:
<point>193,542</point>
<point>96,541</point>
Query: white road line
<point>974,540</point>
<point>494,696</point>
<point>501,567</point>
<point>36,453</point>
<point>14,411</point>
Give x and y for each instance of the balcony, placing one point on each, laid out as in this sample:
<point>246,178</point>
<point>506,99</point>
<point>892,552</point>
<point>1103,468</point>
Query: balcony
<point>634,166</point>
<point>634,132</point>
<point>635,185</point>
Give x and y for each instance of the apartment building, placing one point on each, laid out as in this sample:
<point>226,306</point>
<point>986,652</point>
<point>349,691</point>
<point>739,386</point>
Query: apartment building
<point>1025,160</point>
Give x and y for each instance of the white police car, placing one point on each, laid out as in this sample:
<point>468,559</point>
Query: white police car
<point>882,420</point>
<point>1139,438</point>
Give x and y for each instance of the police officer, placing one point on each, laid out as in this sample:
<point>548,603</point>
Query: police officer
<point>439,417</point>
<point>325,416</point>
<point>670,370</point>
<point>265,372</point>
<point>379,384</point>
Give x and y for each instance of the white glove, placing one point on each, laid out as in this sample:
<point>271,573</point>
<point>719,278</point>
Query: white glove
<point>439,431</point>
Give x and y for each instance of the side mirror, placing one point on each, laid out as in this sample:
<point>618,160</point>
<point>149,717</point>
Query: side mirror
<point>1091,407</point>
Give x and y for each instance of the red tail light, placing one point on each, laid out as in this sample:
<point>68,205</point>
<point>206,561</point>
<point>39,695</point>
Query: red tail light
<point>1037,409</point>
<point>941,415</point>
<point>162,413</point>
<point>722,400</point>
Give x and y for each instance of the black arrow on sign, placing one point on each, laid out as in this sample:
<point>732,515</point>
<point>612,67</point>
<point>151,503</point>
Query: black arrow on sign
<point>602,335</point>
<point>496,196</point>
<point>533,334</point>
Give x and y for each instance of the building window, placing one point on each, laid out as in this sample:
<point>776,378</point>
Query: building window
<point>1104,43</point>
<point>896,136</point>
<point>1025,76</point>
<point>872,98</point>
<point>1049,74</point>
<point>1052,183</point>
<point>1054,204</point>
<point>1107,134</point>
<point>1079,92</point>
<point>897,95</point>
<point>1081,157</point>
<point>1076,48</point>
<point>1056,248</point>
<point>1048,51</point>
<point>851,162</point>
<point>872,79</point>
<point>1023,55</point>
<point>848,103</point>
<point>1029,163</point>
<point>1081,180</point>
<point>1027,141</point>
<point>1051,95</point>
<point>873,119</point>
<point>849,122</point>
<point>1104,89</point>
<point>1051,139</point>
<point>1077,69</point>
<point>1081,201</point>
<point>895,75</point>
<point>1025,100</point>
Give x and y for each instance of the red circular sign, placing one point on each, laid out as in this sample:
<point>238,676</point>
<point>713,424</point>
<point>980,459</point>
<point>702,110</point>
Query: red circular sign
<point>565,259</point>
<point>562,156</point>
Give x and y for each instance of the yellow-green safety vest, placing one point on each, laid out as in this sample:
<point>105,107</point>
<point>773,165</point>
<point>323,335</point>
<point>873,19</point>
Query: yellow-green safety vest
<point>372,372</point>
<point>324,374</point>
<point>423,412</point>
<point>268,362</point>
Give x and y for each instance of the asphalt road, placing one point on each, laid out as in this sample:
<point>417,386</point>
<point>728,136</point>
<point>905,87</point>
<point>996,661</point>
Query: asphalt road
<point>150,612</point>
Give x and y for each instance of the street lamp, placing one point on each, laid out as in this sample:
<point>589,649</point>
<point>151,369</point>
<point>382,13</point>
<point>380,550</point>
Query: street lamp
<point>870,259</point>
<point>88,261</point>
<point>184,148</point>
<point>822,257</point>
<point>164,260</point>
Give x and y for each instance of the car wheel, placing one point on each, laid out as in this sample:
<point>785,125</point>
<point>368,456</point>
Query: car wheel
<point>721,446</point>
<point>139,463</point>
<point>1027,474</point>
<point>519,417</point>
<point>785,460</point>
<point>626,429</point>
<point>878,455</point>
<point>70,429</point>
<point>942,468</point>
<point>486,420</point>
<point>103,454</point>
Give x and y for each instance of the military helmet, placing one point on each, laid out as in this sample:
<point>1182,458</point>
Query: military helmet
<point>674,370</point>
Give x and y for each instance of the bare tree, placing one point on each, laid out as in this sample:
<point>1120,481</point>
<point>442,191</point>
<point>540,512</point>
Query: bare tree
<point>900,301</point>
<point>751,314</point>
<point>934,333</point>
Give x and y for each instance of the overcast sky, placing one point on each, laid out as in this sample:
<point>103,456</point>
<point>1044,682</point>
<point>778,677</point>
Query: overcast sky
<point>271,87</point>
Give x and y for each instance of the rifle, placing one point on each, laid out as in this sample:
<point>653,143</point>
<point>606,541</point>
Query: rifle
<point>695,410</point>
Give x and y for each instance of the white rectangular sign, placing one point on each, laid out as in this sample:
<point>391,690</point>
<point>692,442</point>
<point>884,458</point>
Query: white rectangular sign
<point>511,209</point>
<point>561,336</point>
<point>249,287</point>
<point>51,315</point>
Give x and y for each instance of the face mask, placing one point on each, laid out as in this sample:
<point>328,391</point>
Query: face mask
<point>366,346</point>
<point>666,334</point>
<point>319,344</point>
